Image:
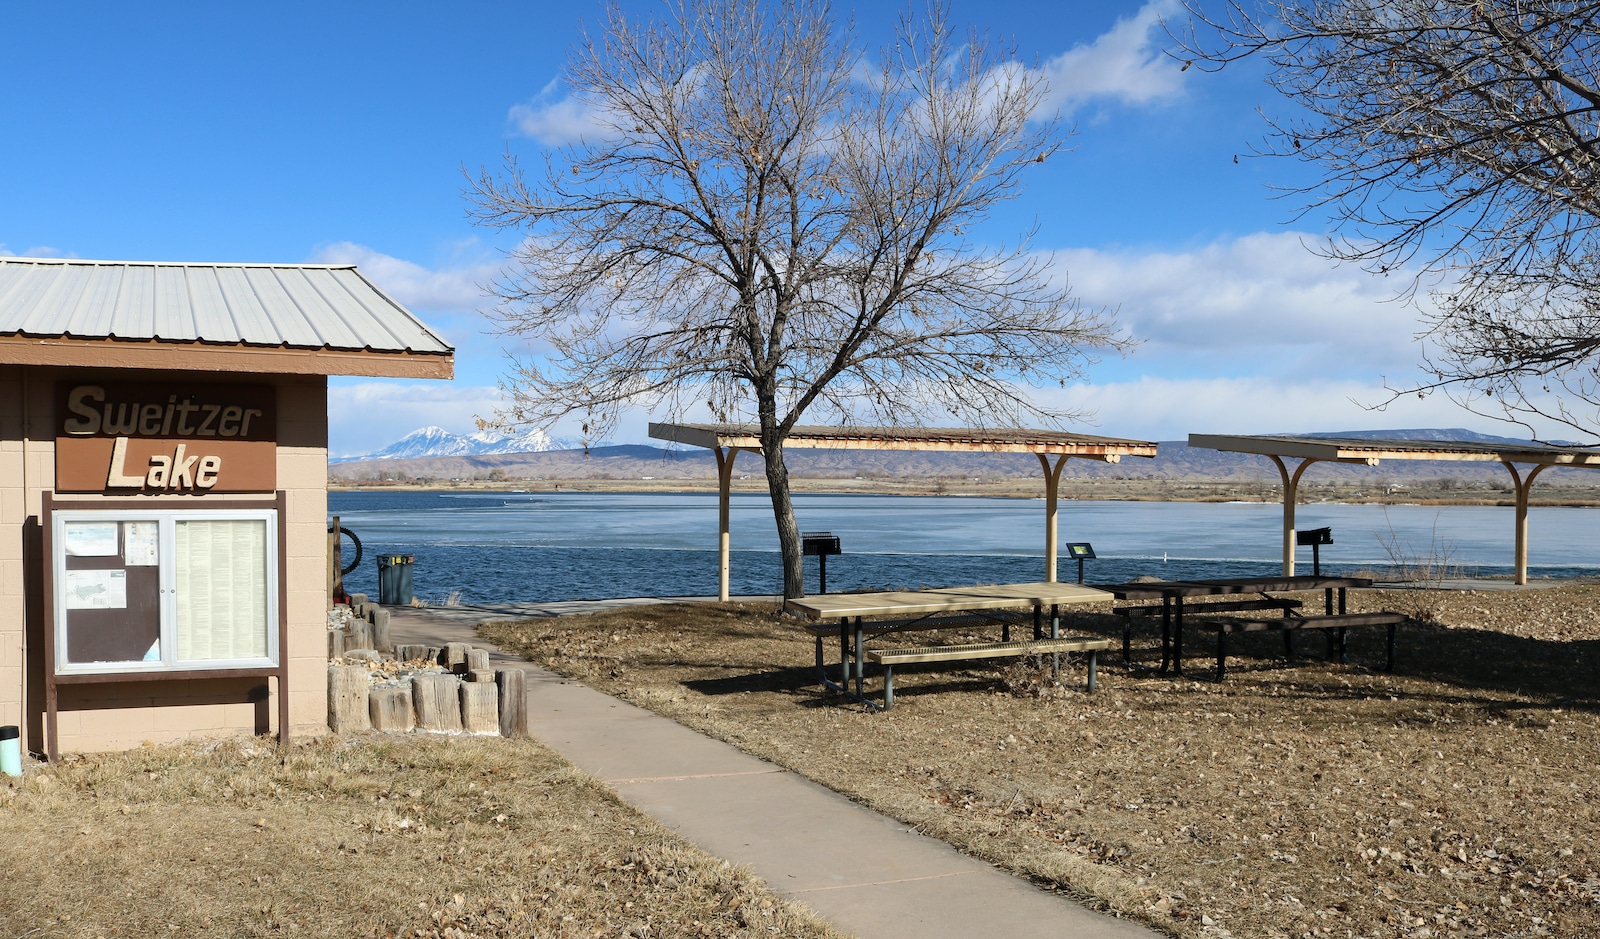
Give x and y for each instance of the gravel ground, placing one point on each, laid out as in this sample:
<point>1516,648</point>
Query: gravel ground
<point>1455,797</point>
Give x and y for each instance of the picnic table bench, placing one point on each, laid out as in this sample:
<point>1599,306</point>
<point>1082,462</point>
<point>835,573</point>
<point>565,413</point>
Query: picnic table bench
<point>1335,624</point>
<point>947,608</point>
<point>889,658</point>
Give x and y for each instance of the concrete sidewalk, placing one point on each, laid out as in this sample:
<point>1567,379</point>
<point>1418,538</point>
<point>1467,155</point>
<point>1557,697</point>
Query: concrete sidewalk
<point>865,873</point>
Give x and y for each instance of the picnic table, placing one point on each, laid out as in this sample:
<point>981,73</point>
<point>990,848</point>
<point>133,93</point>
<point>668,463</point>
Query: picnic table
<point>1173,593</point>
<point>858,617</point>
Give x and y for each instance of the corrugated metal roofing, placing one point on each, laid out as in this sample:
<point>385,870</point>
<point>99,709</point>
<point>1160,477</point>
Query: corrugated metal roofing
<point>993,440</point>
<point>302,306</point>
<point>1374,449</point>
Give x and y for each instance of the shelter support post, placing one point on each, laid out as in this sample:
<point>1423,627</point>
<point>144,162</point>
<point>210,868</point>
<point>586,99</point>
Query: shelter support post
<point>1291,494</point>
<point>1052,480</point>
<point>725,457</point>
<point>1523,487</point>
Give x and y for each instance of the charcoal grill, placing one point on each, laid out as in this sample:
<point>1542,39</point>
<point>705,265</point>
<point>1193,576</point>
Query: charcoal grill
<point>820,544</point>
<point>1316,538</point>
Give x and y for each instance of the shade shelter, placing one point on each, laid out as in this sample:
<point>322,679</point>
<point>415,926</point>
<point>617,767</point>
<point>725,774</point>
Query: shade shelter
<point>1053,448</point>
<point>163,490</point>
<point>1524,461</point>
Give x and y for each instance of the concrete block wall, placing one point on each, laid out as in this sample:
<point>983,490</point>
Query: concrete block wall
<point>117,716</point>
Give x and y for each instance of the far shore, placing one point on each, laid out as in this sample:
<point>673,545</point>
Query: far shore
<point>1429,492</point>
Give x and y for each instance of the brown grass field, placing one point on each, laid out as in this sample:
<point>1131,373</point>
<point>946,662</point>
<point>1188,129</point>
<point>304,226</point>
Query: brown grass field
<point>449,838</point>
<point>1455,797</point>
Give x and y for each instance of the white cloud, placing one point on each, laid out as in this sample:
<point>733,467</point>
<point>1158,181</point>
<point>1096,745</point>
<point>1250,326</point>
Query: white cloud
<point>1155,408</point>
<point>449,290</point>
<point>1127,63</point>
<point>554,119</point>
<point>364,416</point>
<point>1263,297</point>
<point>38,251</point>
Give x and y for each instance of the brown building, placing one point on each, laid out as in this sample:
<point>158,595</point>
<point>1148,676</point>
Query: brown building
<point>163,490</point>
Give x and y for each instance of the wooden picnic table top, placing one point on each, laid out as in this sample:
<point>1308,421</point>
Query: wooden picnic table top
<point>943,599</point>
<point>1156,590</point>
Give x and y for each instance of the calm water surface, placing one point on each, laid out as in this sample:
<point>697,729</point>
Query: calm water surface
<point>505,547</point>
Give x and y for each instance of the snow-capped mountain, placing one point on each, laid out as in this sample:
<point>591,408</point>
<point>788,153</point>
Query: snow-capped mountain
<point>436,441</point>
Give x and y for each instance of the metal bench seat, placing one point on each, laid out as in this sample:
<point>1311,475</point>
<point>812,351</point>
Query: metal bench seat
<point>889,658</point>
<point>1337,622</point>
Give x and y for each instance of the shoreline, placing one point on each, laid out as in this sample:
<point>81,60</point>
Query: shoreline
<point>1106,490</point>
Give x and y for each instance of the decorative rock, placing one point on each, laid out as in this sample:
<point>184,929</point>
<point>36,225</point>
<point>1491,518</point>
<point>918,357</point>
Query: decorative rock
<point>392,710</point>
<point>479,675</point>
<point>480,709</point>
<point>513,688</point>
<point>437,702</point>
<point>347,699</point>
<point>454,656</point>
<point>380,629</point>
<point>477,660</point>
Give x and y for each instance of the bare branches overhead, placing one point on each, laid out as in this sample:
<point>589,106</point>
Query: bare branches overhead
<point>766,213</point>
<point>770,223</point>
<point>1458,139</point>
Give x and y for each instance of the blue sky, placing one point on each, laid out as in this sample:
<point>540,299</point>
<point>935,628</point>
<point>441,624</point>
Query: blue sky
<point>338,132</point>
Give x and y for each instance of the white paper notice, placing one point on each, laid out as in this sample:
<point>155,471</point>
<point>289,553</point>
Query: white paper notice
<point>140,544</point>
<point>97,590</point>
<point>117,589</point>
<point>91,539</point>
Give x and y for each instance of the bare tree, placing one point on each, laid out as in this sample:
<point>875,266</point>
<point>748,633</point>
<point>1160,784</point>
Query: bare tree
<point>1457,141</point>
<point>765,224</point>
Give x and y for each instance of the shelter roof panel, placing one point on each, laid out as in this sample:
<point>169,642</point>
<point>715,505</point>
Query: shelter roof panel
<point>979,440</point>
<point>299,306</point>
<point>1372,450</point>
<point>64,311</point>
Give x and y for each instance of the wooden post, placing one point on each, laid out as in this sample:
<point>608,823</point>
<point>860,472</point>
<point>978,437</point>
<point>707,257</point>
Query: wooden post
<point>392,710</point>
<point>437,701</point>
<point>1523,487</point>
<point>380,629</point>
<point>512,683</point>
<point>724,487</point>
<point>480,707</point>
<point>477,660</point>
<point>335,552</point>
<point>347,699</point>
<point>1052,479</point>
<point>454,656</point>
<point>1291,493</point>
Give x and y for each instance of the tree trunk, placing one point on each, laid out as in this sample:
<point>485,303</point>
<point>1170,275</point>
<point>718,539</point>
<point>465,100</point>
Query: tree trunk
<point>794,584</point>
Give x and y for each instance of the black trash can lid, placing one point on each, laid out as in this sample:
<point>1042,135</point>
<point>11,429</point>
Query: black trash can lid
<point>9,732</point>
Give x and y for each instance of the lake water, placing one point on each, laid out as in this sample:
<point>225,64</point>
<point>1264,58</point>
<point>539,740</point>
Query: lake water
<point>497,547</point>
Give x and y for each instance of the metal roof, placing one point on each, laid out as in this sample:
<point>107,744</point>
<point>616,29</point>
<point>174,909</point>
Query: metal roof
<point>1372,450</point>
<point>995,440</point>
<point>297,306</point>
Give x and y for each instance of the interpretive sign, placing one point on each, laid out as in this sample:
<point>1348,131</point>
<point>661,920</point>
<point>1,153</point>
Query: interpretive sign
<point>166,438</point>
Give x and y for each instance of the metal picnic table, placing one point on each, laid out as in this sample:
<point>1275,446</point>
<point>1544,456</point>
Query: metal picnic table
<point>860,613</point>
<point>1172,593</point>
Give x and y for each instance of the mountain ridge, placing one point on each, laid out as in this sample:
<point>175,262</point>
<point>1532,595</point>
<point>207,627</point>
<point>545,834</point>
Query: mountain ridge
<point>1175,460</point>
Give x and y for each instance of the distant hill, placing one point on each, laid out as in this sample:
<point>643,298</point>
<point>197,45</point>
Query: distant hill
<point>1175,460</point>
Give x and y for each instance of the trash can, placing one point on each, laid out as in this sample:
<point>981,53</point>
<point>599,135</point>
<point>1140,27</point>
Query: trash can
<point>394,579</point>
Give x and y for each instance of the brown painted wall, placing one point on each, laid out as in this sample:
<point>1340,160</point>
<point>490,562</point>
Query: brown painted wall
<point>117,716</point>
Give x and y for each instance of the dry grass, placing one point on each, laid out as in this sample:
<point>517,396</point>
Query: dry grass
<point>1454,798</point>
<point>358,837</point>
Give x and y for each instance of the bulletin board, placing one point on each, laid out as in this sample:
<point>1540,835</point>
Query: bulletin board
<point>163,590</point>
